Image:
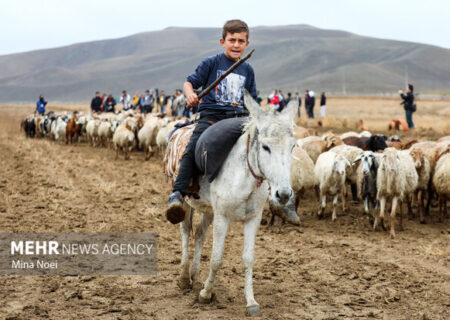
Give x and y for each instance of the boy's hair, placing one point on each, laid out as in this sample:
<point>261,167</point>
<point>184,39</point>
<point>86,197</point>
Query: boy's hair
<point>235,26</point>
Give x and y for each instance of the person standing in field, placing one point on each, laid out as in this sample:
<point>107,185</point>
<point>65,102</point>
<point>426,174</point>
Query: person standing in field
<point>40,104</point>
<point>312,104</point>
<point>126,100</point>
<point>323,105</point>
<point>96,103</point>
<point>308,103</point>
<point>147,102</point>
<point>408,105</point>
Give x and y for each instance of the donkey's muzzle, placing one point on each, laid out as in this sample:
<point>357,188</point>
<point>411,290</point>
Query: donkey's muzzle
<point>283,195</point>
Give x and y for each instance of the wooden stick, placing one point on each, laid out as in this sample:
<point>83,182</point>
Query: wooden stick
<point>223,76</point>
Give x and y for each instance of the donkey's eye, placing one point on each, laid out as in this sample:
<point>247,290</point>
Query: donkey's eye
<point>266,148</point>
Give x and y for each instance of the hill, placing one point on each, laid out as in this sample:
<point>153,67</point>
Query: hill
<point>292,57</point>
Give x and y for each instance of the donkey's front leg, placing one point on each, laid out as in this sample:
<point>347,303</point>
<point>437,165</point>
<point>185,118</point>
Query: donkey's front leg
<point>220,228</point>
<point>250,230</point>
<point>200,235</point>
<point>185,228</point>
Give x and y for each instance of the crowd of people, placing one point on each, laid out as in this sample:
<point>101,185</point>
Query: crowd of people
<point>279,101</point>
<point>174,104</point>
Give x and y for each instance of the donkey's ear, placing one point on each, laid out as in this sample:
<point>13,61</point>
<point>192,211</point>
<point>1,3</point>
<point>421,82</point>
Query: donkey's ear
<point>252,106</point>
<point>291,110</point>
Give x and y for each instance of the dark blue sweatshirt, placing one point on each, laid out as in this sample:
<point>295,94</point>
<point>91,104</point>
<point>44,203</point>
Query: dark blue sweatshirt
<point>229,93</point>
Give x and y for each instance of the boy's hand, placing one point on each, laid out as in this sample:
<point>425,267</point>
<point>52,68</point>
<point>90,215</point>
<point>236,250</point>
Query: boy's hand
<point>192,100</point>
<point>400,91</point>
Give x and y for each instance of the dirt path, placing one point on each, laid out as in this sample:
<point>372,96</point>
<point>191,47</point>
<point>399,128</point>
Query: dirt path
<point>321,270</point>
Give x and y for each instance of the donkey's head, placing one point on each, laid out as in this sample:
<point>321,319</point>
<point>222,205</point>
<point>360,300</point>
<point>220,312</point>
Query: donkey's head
<point>271,145</point>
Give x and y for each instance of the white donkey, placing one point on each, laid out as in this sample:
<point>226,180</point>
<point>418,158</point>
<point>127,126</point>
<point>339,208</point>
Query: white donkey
<point>257,167</point>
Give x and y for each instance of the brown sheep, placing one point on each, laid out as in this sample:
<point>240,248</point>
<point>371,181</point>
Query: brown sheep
<point>72,129</point>
<point>314,146</point>
<point>401,145</point>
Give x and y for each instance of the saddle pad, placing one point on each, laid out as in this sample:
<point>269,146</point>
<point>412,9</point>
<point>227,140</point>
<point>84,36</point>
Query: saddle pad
<point>175,149</point>
<point>215,144</point>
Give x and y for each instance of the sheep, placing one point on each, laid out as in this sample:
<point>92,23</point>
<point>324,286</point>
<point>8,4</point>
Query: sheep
<point>302,179</point>
<point>29,126</point>
<point>330,171</point>
<point>374,143</point>
<point>301,132</point>
<point>365,134</point>
<point>396,178</point>
<point>105,133</point>
<point>58,128</point>
<point>92,131</point>
<point>444,139</point>
<point>401,145</point>
<point>350,153</point>
<point>72,129</point>
<point>367,181</point>
<point>124,138</point>
<point>349,134</point>
<point>441,183</point>
<point>163,135</point>
<point>432,150</point>
<point>423,169</point>
<point>147,135</point>
<point>314,146</point>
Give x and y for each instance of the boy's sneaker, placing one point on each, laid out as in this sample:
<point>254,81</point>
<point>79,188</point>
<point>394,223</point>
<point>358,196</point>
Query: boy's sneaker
<point>175,213</point>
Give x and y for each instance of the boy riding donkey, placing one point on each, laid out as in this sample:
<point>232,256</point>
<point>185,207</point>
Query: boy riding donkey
<point>225,101</point>
<point>228,75</point>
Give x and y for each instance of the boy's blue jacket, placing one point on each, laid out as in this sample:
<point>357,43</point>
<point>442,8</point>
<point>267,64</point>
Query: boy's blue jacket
<point>229,93</point>
<point>40,105</point>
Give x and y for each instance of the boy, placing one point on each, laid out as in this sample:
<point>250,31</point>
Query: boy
<point>226,100</point>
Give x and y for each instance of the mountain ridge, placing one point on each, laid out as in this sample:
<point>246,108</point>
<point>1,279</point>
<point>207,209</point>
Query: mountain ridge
<point>292,57</point>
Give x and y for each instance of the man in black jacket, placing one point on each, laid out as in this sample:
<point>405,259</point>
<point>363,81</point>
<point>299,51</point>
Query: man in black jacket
<point>408,104</point>
<point>96,103</point>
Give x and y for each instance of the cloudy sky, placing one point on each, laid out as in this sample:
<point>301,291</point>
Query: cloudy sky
<point>37,24</point>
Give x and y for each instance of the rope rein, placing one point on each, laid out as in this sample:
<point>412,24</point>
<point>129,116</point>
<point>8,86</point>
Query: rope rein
<point>259,179</point>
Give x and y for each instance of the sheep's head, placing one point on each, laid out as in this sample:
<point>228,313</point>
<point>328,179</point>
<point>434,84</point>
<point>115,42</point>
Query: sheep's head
<point>368,162</point>
<point>391,160</point>
<point>333,141</point>
<point>340,165</point>
<point>417,156</point>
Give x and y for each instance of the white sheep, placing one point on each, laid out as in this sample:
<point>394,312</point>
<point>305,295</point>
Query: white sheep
<point>147,135</point>
<point>441,182</point>
<point>58,128</point>
<point>350,153</point>
<point>105,133</point>
<point>124,138</point>
<point>396,178</point>
<point>92,131</point>
<point>330,172</point>
<point>349,134</point>
<point>302,174</point>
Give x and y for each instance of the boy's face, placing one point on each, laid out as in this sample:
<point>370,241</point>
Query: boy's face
<point>234,44</point>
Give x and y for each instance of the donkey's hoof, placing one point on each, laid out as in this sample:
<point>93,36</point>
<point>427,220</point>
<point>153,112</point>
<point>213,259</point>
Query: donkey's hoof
<point>253,310</point>
<point>204,300</point>
<point>184,283</point>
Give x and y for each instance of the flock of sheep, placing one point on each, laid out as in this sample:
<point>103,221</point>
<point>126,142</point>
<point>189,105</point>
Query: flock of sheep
<point>376,168</point>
